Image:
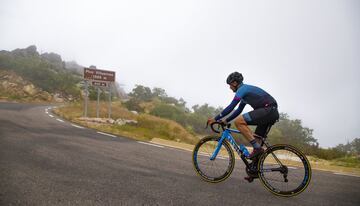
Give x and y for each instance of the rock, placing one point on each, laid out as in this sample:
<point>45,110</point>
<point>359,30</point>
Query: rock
<point>97,120</point>
<point>120,122</point>
<point>53,58</point>
<point>57,98</point>
<point>43,96</point>
<point>32,50</point>
<point>29,51</point>
<point>5,84</point>
<point>125,121</point>
<point>135,112</point>
<point>13,85</point>
<point>131,122</point>
<point>29,89</point>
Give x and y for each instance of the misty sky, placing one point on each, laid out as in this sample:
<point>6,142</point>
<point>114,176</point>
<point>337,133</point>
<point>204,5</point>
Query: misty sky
<point>305,53</point>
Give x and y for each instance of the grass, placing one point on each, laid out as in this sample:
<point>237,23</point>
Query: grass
<point>353,162</point>
<point>337,165</point>
<point>147,128</point>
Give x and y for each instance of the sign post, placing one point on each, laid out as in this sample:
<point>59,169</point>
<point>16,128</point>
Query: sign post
<point>86,98</point>
<point>97,104</point>
<point>109,100</point>
<point>98,78</point>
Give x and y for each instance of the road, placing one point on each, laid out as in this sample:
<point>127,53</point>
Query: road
<point>47,161</point>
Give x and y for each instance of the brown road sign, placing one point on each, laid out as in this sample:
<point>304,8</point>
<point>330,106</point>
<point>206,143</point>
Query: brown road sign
<point>100,75</point>
<point>99,84</point>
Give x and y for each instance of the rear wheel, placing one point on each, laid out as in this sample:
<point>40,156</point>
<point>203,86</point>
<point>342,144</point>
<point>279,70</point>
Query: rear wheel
<point>216,170</point>
<point>284,170</point>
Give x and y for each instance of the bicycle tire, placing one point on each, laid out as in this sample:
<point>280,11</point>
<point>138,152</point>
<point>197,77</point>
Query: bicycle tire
<point>296,166</point>
<point>225,161</point>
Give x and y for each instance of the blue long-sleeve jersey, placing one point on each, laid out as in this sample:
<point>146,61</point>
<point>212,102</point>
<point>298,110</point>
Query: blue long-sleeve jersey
<point>246,94</point>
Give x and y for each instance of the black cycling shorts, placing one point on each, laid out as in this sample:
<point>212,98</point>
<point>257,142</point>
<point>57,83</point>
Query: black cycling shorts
<point>263,117</point>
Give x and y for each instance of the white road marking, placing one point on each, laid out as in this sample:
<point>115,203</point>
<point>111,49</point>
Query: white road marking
<point>106,134</point>
<point>166,145</point>
<point>74,125</point>
<point>336,173</point>
<point>59,120</point>
<point>51,115</point>
<point>47,112</point>
<point>155,145</point>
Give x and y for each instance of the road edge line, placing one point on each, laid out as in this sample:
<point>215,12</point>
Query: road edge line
<point>155,145</point>
<point>110,135</point>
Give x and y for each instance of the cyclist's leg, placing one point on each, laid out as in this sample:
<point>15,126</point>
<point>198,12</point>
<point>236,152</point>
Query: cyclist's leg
<point>265,122</point>
<point>261,130</point>
<point>260,116</point>
<point>242,126</point>
<point>255,117</point>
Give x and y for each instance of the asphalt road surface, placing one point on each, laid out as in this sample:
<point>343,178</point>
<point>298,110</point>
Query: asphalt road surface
<point>47,161</point>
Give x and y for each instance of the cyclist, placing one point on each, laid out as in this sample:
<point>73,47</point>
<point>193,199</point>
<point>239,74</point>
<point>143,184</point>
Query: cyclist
<point>265,111</point>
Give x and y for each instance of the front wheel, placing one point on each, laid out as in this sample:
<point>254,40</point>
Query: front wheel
<point>216,170</point>
<point>284,170</point>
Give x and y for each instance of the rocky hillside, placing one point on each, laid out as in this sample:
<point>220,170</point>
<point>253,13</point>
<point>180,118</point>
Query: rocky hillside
<point>13,87</point>
<point>30,76</point>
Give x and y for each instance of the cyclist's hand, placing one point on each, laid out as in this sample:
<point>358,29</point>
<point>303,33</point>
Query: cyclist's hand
<point>210,121</point>
<point>223,122</point>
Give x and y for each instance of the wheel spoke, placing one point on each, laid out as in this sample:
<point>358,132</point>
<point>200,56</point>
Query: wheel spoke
<point>283,163</point>
<point>217,169</point>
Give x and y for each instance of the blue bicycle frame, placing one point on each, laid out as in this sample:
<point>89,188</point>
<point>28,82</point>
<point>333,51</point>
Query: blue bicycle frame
<point>227,135</point>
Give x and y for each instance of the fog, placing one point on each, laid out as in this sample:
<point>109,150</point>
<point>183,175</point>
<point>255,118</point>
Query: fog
<point>305,53</point>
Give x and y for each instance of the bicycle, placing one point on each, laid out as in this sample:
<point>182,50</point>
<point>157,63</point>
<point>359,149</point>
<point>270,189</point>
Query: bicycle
<point>282,169</point>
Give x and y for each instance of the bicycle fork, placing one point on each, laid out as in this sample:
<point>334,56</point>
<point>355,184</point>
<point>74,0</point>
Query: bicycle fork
<point>218,147</point>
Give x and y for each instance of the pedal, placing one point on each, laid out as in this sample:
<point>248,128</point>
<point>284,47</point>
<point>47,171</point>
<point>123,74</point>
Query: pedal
<point>249,179</point>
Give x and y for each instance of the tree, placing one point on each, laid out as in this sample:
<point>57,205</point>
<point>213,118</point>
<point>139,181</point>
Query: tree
<point>356,145</point>
<point>170,112</point>
<point>158,92</point>
<point>294,133</point>
<point>350,147</point>
<point>142,93</point>
<point>205,110</point>
<point>134,105</point>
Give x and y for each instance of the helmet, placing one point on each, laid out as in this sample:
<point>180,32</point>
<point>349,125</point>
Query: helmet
<point>235,76</point>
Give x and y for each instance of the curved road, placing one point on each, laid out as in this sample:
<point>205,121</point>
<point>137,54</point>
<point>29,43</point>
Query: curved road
<point>47,161</point>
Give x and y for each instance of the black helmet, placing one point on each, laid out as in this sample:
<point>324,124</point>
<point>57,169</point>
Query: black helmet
<point>235,76</point>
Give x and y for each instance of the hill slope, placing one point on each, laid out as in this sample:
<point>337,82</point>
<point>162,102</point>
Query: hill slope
<point>14,87</point>
<point>47,72</point>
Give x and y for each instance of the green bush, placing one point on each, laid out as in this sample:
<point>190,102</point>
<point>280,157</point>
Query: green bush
<point>353,162</point>
<point>170,112</point>
<point>134,105</point>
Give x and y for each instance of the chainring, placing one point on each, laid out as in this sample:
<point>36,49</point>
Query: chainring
<point>252,170</point>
